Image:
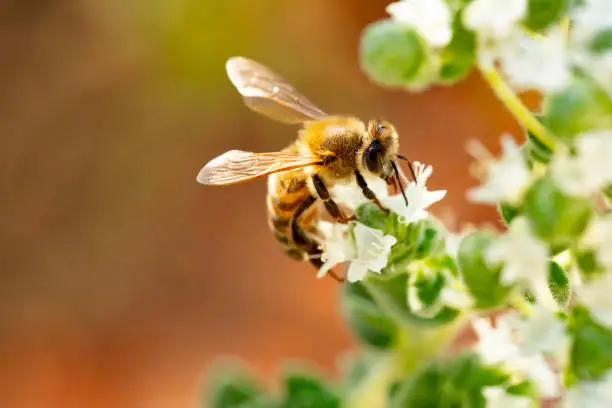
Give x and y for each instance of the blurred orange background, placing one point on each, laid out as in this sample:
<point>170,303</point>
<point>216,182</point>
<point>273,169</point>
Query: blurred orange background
<point>121,278</point>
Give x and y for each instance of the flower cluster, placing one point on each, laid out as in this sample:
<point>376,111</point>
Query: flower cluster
<point>536,294</point>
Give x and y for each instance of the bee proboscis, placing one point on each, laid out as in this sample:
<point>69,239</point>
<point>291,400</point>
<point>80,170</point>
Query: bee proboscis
<point>329,149</point>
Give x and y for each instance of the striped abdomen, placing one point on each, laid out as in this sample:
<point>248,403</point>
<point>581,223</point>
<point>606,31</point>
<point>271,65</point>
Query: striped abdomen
<point>292,215</point>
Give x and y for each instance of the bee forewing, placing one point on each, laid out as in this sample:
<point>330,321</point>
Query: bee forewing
<point>269,94</point>
<point>236,166</point>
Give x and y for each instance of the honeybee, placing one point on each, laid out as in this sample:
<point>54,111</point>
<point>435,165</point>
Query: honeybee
<point>329,149</point>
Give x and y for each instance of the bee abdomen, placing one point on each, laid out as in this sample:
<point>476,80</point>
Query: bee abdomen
<point>287,192</point>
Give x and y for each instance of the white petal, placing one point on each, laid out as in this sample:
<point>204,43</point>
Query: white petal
<point>541,332</point>
<point>591,394</point>
<point>524,257</point>
<point>326,267</point>
<point>351,195</point>
<point>539,63</point>
<point>507,178</point>
<point>356,272</point>
<point>432,19</point>
<point>494,18</point>
<point>417,195</point>
<point>595,295</point>
<point>497,397</point>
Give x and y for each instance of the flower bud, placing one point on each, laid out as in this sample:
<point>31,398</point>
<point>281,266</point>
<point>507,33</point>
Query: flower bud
<point>482,280</point>
<point>391,53</point>
<point>582,106</point>
<point>429,296</point>
<point>555,217</point>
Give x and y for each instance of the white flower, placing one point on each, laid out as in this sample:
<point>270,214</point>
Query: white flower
<point>595,295</point>
<point>507,178</point>
<point>598,237</point>
<point>599,68</point>
<point>590,394</point>
<point>495,345</point>
<point>351,195</point>
<point>451,243</point>
<point>498,346</point>
<point>524,257</point>
<point>591,17</point>
<point>432,19</point>
<point>367,249</point>
<point>497,397</point>
<point>590,169</point>
<point>494,19</point>
<point>539,372</point>
<point>419,198</point>
<point>541,331</point>
<point>571,174</point>
<point>539,63</point>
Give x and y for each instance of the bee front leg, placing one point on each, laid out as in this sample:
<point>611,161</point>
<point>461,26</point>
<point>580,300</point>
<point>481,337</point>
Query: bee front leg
<point>368,193</point>
<point>330,205</point>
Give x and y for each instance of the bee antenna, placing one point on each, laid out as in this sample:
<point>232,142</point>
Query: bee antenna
<point>399,156</point>
<point>399,181</point>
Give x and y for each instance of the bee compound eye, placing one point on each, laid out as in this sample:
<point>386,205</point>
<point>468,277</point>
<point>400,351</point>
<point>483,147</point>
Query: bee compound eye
<point>373,156</point>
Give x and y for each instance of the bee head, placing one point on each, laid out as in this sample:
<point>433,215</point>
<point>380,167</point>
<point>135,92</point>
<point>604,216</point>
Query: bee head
<point>380,148</point>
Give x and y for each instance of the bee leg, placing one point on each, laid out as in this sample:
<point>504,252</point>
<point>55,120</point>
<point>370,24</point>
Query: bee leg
<point>330,205</point>
<point>369,194</point>
<point>305,244</point>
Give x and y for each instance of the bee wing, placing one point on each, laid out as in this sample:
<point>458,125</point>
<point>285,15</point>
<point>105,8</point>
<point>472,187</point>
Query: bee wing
<point>236,166</point>
<point>269,94</point>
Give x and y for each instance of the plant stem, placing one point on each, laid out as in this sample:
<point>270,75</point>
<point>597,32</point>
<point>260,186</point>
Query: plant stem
<point>516,106</point>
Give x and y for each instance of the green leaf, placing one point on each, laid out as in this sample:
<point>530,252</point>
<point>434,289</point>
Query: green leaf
<point>230,387</point>
<point>558,283</point>
<point>602,41</point>
<point>365,317</point>
<point>481,279</point>
<point>370,215</point>
<point>591,351</point>
<point>455,383</point>
<point>391,53</point>
<point>582,106</point>
<point>508,212</point>
<point>307,390</point>
<point>553,216</point>
<point>459,56</point>
<point>524,389</point>
<point>541,14</point>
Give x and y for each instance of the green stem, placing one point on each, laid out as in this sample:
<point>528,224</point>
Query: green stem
<point>516,106</point>
<point>415,345</point>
